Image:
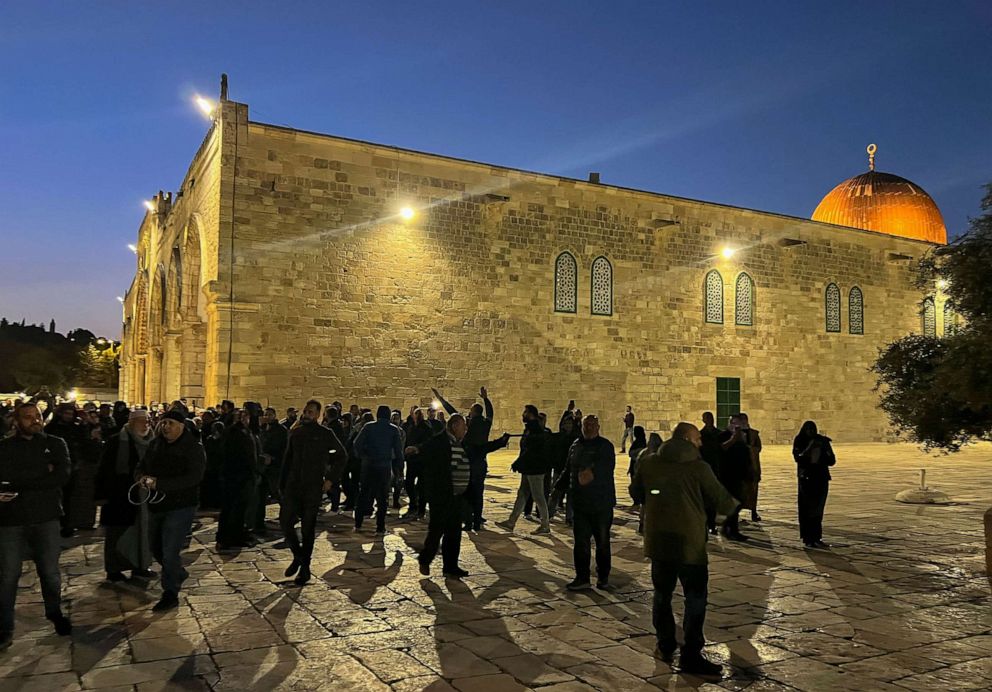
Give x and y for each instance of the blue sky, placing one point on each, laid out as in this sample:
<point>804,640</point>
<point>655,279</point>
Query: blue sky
<point>765,105</point>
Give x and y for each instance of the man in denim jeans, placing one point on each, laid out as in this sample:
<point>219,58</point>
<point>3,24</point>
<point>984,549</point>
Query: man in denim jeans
<point>171,472</point>
<point>33,468</point>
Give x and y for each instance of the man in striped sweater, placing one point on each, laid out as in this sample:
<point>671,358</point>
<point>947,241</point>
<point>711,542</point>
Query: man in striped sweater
<point>446,474</point>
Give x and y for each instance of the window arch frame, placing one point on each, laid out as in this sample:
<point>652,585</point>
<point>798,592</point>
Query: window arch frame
<point>861,311</point>
<point>565,255</point>
<point>750,299</point>
<point>928,306</point>
<point>712,273</point>
<point>832,292</point>
<point>600,260</point>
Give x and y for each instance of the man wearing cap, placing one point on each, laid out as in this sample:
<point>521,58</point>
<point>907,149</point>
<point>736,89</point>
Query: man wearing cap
<point>33,468</point>
<point>171,470</point>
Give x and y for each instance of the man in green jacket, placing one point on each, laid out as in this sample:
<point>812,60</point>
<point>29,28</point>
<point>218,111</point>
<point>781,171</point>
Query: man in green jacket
<point>675,487</point>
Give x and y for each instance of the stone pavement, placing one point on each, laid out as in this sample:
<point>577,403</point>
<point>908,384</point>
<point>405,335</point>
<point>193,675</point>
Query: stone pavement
<point>900,602</point>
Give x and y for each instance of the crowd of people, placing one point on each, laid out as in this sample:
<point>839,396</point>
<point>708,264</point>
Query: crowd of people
<point>149,471</point>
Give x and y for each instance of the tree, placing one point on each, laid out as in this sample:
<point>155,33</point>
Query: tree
<point>938,390</point>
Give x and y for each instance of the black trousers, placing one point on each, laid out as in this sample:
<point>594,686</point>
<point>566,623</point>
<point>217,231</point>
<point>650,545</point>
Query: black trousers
<point>812,502</point>
<point>234,511</point>
<point>444,530</point>
<point>588,525</point>
<point>296,507</point>
<point>113,561</point>
<point>414,488</point>
<point>475,493</point>
<point>375,487</point>
<point>694,580</point>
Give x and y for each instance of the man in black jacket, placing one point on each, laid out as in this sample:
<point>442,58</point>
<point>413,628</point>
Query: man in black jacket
<point>315,458</point>
<point>238,475</point>
<point>480,424</point>
<point>446,476</point>
<point>533,464</point>
<point>592,493</point>
<point>417,434</point>
<point>33,468</point>
<point>272,440</point>
<point>171,473</point>
<point>65,425</point>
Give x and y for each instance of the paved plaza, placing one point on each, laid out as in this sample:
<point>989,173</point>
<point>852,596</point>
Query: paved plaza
<point>900,602</point>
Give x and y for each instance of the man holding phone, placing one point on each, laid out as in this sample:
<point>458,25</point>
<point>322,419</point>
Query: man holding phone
<point>33,468</point>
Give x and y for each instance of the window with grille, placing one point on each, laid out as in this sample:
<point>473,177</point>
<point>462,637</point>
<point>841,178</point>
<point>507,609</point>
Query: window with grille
<point>950,320</point>
<point>744,300</point>
<point>856,311</point>
<point>602,287</point>
<point>831,299</point>
<point>566,283</point>
<point>713,297</point>
<point>929,318</point>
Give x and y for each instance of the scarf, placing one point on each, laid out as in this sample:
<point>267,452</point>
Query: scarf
<point>123,466</point>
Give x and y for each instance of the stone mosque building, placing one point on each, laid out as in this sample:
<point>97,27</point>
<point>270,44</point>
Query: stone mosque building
<point>291,264</point>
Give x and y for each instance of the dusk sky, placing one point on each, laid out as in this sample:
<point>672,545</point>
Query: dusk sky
<point>762,105</point>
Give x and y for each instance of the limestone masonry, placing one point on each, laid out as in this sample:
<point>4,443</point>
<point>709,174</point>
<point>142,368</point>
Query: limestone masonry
<point>282,269</point>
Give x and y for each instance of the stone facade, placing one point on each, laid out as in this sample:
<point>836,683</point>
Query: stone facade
<point>336,296</point>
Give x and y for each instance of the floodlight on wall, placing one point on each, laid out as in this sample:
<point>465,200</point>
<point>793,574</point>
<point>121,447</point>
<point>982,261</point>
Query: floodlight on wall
<point>206,106</point>
<point>728,252</point>
<point>941,284</point>
<point>407,213</point>
<point>133,248</point>
<point>120,299</point>
<point>149,206</point>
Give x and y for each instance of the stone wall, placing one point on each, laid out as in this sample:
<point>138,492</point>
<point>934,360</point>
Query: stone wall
<point>336,296</point>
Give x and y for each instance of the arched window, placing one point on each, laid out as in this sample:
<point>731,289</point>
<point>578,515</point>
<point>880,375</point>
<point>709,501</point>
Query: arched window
<point>177,263</point>
<point>950,320</point>
<point>602,286</point>
<point>744,300</point>
<point>713,297</point>
<point>856,311</point>
<point>929,314</point>
<point>566,283</point>
<point>831,301</point>
<point>163,293</point>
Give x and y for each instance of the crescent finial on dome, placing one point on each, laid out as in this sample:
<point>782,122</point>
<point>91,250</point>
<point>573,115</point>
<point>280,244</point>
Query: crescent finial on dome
<point>871,156</point>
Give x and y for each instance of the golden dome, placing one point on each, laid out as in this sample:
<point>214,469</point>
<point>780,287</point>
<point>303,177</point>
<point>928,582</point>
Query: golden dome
<point>883,202</point>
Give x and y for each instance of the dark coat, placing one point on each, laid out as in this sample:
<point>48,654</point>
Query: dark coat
<point>814,457</point>
<point>112,487</point>
<point>711,450</point>
<point>274,440</point>
<point>240,455</point>
<point>676,488</point>
<point>73,434</point>
<point>36,469</point>
<point>178,468</point>
<point>435,454</point>
<point>314,454</point>
<point>598,455</point>
<point>536,455</point>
